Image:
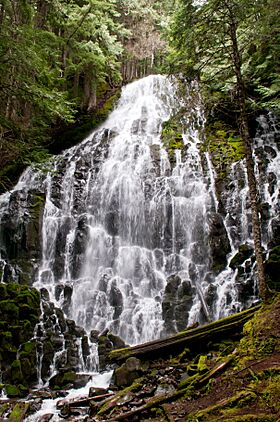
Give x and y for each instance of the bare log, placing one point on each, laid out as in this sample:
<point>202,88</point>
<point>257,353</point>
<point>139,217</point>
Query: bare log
<point>195,339</point>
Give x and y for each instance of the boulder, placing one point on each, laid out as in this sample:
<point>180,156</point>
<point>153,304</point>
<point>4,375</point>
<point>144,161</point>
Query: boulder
<point>127,372</point>
<point>65,378</point>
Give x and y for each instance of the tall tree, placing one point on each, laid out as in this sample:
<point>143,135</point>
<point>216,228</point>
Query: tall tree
<point>210,39</point>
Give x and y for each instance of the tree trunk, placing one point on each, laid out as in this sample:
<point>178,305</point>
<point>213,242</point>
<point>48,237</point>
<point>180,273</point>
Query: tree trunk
<point>244,131</point>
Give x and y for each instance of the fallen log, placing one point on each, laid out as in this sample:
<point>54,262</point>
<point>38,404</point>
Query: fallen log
<point>82,401</point>
<point>195,339</point>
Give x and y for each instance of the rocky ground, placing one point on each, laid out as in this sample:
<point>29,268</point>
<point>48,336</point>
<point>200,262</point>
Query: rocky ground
<point>233,377</point>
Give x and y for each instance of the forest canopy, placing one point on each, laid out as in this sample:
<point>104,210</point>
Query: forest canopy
<point>60,58</point>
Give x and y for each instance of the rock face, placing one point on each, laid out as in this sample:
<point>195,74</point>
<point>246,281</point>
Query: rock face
<point>176,304</point>
<point>20,236</point>
<point>219,242</point>
<point>19,314</point>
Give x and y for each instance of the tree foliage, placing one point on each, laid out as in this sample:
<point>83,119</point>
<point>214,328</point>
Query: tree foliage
<point>200,45</point>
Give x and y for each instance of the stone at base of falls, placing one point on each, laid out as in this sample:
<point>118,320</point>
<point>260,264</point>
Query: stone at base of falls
<point>68,379</point>
<point>19,390</point>
<point>127,372</point>
<point>97,391</point>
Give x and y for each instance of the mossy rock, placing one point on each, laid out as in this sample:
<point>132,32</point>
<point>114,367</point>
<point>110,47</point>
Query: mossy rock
<point>171,136</point>
<point>30,297</point>
<point>128,372</point>
<point>68,379</point>
<point>28,348</point>
<point>12,391</point>
<point>224,144</point>
<point>26,367</point>
<point>18,412</point>
<point>3,291</point>
<point>6,342</point>
<point>27,312</point>
<point>9,310</point>
<point>16,373</point>
<point>245,251</point>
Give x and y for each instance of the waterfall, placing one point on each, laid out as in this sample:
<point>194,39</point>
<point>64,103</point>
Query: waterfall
<point>130,234</point>
<point>119,220</point>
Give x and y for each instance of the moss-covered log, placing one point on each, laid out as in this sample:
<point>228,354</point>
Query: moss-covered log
<point>195,339</point>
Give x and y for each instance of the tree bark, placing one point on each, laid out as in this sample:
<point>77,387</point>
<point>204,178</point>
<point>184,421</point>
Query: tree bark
<point>245,134</point>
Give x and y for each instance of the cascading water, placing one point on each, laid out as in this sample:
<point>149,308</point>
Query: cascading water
<point>130,231</point>
<point>123,220</point>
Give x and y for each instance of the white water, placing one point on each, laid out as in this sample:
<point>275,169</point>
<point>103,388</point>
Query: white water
<point>48,406</point>
<point>143,219</point>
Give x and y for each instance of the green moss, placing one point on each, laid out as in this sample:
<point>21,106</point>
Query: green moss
<point>225,146</point>
<point>3,291</point>
<point>9,310</point>
<point>28,348</point>
<point>3,408</point>
<point>18,412</point>
<point>30,297</point>
<point>16,373</point>
<point>12,390</point>
<point>188,382</point>
<point>136,386</point>
<point>171,136</point>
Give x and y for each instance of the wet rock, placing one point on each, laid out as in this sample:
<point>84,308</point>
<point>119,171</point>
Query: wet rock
<point>95,391</point>
<point>116,300</point>
<point>94,334</point>
<point>65,379</point>
<point>61,320</point>
<point>45,294</point>
<point>245,251</point>
<point>211,295</point>
<point>104,348</point>
<point>275,227</point>
<point>176,303</point>
<point>218,242</point>
<point>74,329</point>
<point>46,418</point>
<point>116,341</point>
<point>85,348</point>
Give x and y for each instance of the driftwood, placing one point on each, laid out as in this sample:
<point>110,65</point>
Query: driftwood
<point>195,339</point>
